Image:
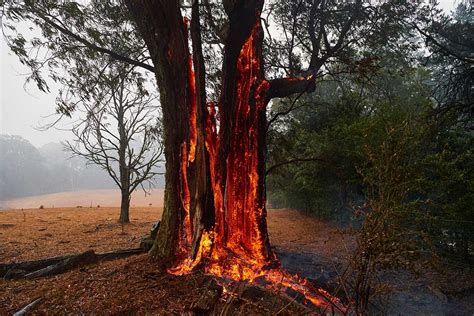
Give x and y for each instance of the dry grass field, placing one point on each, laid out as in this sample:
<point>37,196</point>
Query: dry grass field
<point>38,233</point>
<point>139,285</point>
<point>72,222</point>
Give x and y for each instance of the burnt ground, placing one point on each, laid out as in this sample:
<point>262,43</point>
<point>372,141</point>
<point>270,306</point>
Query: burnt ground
<point>446,292</point>
<point>304,245</point>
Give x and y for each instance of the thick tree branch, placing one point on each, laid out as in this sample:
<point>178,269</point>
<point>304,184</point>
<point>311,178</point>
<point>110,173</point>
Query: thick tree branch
<point>283,87</point>
<point>290,161</point>
<point>443,48</point>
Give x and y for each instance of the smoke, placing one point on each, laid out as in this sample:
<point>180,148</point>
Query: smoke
<point>26,170</point>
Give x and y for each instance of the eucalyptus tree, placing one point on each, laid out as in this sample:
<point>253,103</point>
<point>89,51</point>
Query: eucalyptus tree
<point>215,76</point>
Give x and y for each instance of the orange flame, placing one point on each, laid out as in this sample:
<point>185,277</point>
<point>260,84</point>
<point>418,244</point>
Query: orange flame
<point>236,247</point>
<point>244,208</point>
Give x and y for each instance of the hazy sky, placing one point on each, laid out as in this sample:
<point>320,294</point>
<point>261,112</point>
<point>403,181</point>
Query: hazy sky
<point>23,111</point>
<point>24,108</point>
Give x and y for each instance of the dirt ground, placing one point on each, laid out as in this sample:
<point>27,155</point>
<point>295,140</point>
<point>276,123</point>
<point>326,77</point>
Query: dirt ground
<point>139,285</point>
<point>38,233</point>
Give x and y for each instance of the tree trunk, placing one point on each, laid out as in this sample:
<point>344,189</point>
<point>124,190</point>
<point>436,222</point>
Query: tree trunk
<point>161,24</point>
<point>235,156</point>
<point>214,208</point>
<point>124,168</point>
<point>124,207</point>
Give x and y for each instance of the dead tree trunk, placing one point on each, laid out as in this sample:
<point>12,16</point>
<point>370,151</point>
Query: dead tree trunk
<point>124,207</point>
<point>123,166</point>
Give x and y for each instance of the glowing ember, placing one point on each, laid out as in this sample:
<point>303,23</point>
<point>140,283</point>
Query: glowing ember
<point>237,246</point>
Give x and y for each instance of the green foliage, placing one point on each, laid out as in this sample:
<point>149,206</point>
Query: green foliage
<point>450,183</point>
<point>70,42</point>
<point>372,156</point>
<point>381,163</point>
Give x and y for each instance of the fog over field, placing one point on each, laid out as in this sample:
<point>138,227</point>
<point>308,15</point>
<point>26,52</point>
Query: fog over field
<point>85,199</point>
<point>29,171</point>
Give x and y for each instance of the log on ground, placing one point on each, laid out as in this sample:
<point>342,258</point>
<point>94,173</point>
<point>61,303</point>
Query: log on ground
<point>83,259</point>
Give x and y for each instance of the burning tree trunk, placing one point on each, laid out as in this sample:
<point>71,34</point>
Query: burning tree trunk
<point>214,213</point>
<point>238,150</point>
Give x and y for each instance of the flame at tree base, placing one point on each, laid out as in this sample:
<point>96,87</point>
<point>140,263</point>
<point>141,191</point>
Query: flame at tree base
<point>230,266</point>
<point>237,246</point>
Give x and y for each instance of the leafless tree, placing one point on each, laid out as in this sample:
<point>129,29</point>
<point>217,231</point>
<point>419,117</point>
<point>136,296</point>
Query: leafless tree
<point>120,132</point>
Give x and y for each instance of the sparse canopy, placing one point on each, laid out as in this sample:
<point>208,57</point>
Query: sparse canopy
<point>119,131</point>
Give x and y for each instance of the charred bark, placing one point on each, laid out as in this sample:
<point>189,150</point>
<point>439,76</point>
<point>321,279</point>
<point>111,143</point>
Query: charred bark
<point>202,200</point>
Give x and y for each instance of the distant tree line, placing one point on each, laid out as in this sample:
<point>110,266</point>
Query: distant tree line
<point>26,170</point>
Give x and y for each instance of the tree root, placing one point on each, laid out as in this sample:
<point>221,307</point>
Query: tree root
<point>28,307</point>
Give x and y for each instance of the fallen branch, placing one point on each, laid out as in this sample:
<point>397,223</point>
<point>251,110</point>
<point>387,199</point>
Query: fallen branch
<point>28,307</point>
<point>112,255</point>
<point>83,259</point>
<point>29,267</point>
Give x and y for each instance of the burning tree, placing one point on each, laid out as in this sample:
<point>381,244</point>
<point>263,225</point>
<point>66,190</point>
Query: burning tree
<point>214,214</point>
